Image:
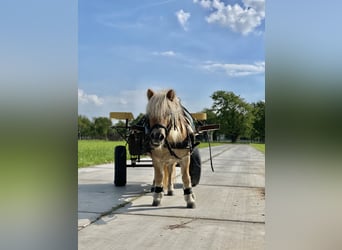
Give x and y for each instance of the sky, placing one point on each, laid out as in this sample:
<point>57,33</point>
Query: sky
<point>195,47</point>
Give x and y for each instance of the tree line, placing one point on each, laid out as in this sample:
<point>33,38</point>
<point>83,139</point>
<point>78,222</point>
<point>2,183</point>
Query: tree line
<point>238,119</point>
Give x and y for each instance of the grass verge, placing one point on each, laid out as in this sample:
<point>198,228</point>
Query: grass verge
<point>213,144</point>
<point>95,152</point>
<point>260,147</point>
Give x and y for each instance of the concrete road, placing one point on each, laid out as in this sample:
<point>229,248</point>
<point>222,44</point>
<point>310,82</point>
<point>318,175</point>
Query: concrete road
<point>229,213</point>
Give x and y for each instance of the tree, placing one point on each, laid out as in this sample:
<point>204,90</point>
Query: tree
<point>102,126</point>
<point>136,120</point>
<point>233,114</point>
<point>258,131</point>
<point>84,127</point>
<point>119,133</point>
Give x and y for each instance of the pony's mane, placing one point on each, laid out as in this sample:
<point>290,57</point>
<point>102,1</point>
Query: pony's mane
<point>160,107</point>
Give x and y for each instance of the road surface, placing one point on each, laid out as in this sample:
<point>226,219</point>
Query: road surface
<point>229,213</point>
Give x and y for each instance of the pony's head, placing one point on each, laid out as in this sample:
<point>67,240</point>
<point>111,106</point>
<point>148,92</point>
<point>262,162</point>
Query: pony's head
<point>165,115</point>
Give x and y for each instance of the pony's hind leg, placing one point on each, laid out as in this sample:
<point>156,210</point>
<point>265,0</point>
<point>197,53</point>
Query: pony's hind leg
<point>158,185</point>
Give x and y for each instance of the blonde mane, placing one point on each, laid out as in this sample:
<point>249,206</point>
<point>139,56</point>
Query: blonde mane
<point>162,109</point>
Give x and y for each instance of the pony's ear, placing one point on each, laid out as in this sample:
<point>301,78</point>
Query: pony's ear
<point>171,94</point>
<point>150,93</point>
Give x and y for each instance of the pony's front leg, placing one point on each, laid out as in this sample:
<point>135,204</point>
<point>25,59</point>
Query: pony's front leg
<point>171,172</point>
<point>189,196</point>
<point>158,184</point>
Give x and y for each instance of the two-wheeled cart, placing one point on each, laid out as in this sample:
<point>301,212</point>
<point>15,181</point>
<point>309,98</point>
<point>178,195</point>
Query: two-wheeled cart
<point>137,139</point>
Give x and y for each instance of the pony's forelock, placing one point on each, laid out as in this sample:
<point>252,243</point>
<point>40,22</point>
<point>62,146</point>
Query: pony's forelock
<point>160,107</point>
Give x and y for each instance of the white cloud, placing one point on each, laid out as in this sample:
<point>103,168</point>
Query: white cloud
<point>122,101</point>
<point>204,3</point>
<point>183,18</point>
<point>243,19</point>
<point>126,101</point>
<point>85,98</point>
<point>236,70</point>
<point>165,53</point>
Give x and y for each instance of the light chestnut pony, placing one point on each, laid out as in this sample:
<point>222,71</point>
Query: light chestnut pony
<point>168,127</point>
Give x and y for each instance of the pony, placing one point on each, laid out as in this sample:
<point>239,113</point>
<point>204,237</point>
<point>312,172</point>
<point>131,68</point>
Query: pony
<point>170,134</point>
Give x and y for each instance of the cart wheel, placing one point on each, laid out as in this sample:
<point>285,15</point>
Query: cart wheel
<point>120,170</point>
<point>195,167</point>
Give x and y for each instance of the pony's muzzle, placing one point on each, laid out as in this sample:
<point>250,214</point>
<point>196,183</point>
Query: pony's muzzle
<point>157,137</point>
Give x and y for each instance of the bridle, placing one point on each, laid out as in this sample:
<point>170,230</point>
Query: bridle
<point>157,125</point>
<point>187,143</point>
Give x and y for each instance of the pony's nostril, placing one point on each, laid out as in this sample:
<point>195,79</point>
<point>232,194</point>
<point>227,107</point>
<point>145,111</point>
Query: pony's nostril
<point>161,137</point>
<point>157,136</point>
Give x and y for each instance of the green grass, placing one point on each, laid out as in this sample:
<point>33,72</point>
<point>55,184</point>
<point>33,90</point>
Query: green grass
<point>94,152</point>
<point>260,147</point>
<point>213,144</point>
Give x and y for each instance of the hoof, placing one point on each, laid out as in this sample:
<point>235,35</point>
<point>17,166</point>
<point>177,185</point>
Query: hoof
<point>156,203</point>
<point>157,198</point>
<point>191,205</point>
<point>170,192</point>
<point>190,200</point>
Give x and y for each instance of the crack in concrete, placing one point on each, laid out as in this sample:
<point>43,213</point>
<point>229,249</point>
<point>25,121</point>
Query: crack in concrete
<point>195,218</point>
<point>180,225</point>
<point>232,186</point>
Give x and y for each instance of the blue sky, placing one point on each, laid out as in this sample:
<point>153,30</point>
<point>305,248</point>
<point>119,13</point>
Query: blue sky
<point>193,46</point>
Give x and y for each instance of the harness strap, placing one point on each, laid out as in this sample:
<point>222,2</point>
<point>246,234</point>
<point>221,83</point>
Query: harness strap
<point>187,143</point>
<point>170,149</point>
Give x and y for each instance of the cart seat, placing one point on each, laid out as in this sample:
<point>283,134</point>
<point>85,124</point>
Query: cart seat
<point>121,115</point>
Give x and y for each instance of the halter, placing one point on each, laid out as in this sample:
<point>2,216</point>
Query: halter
<point>167,129</point>
<point>187,143</point>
